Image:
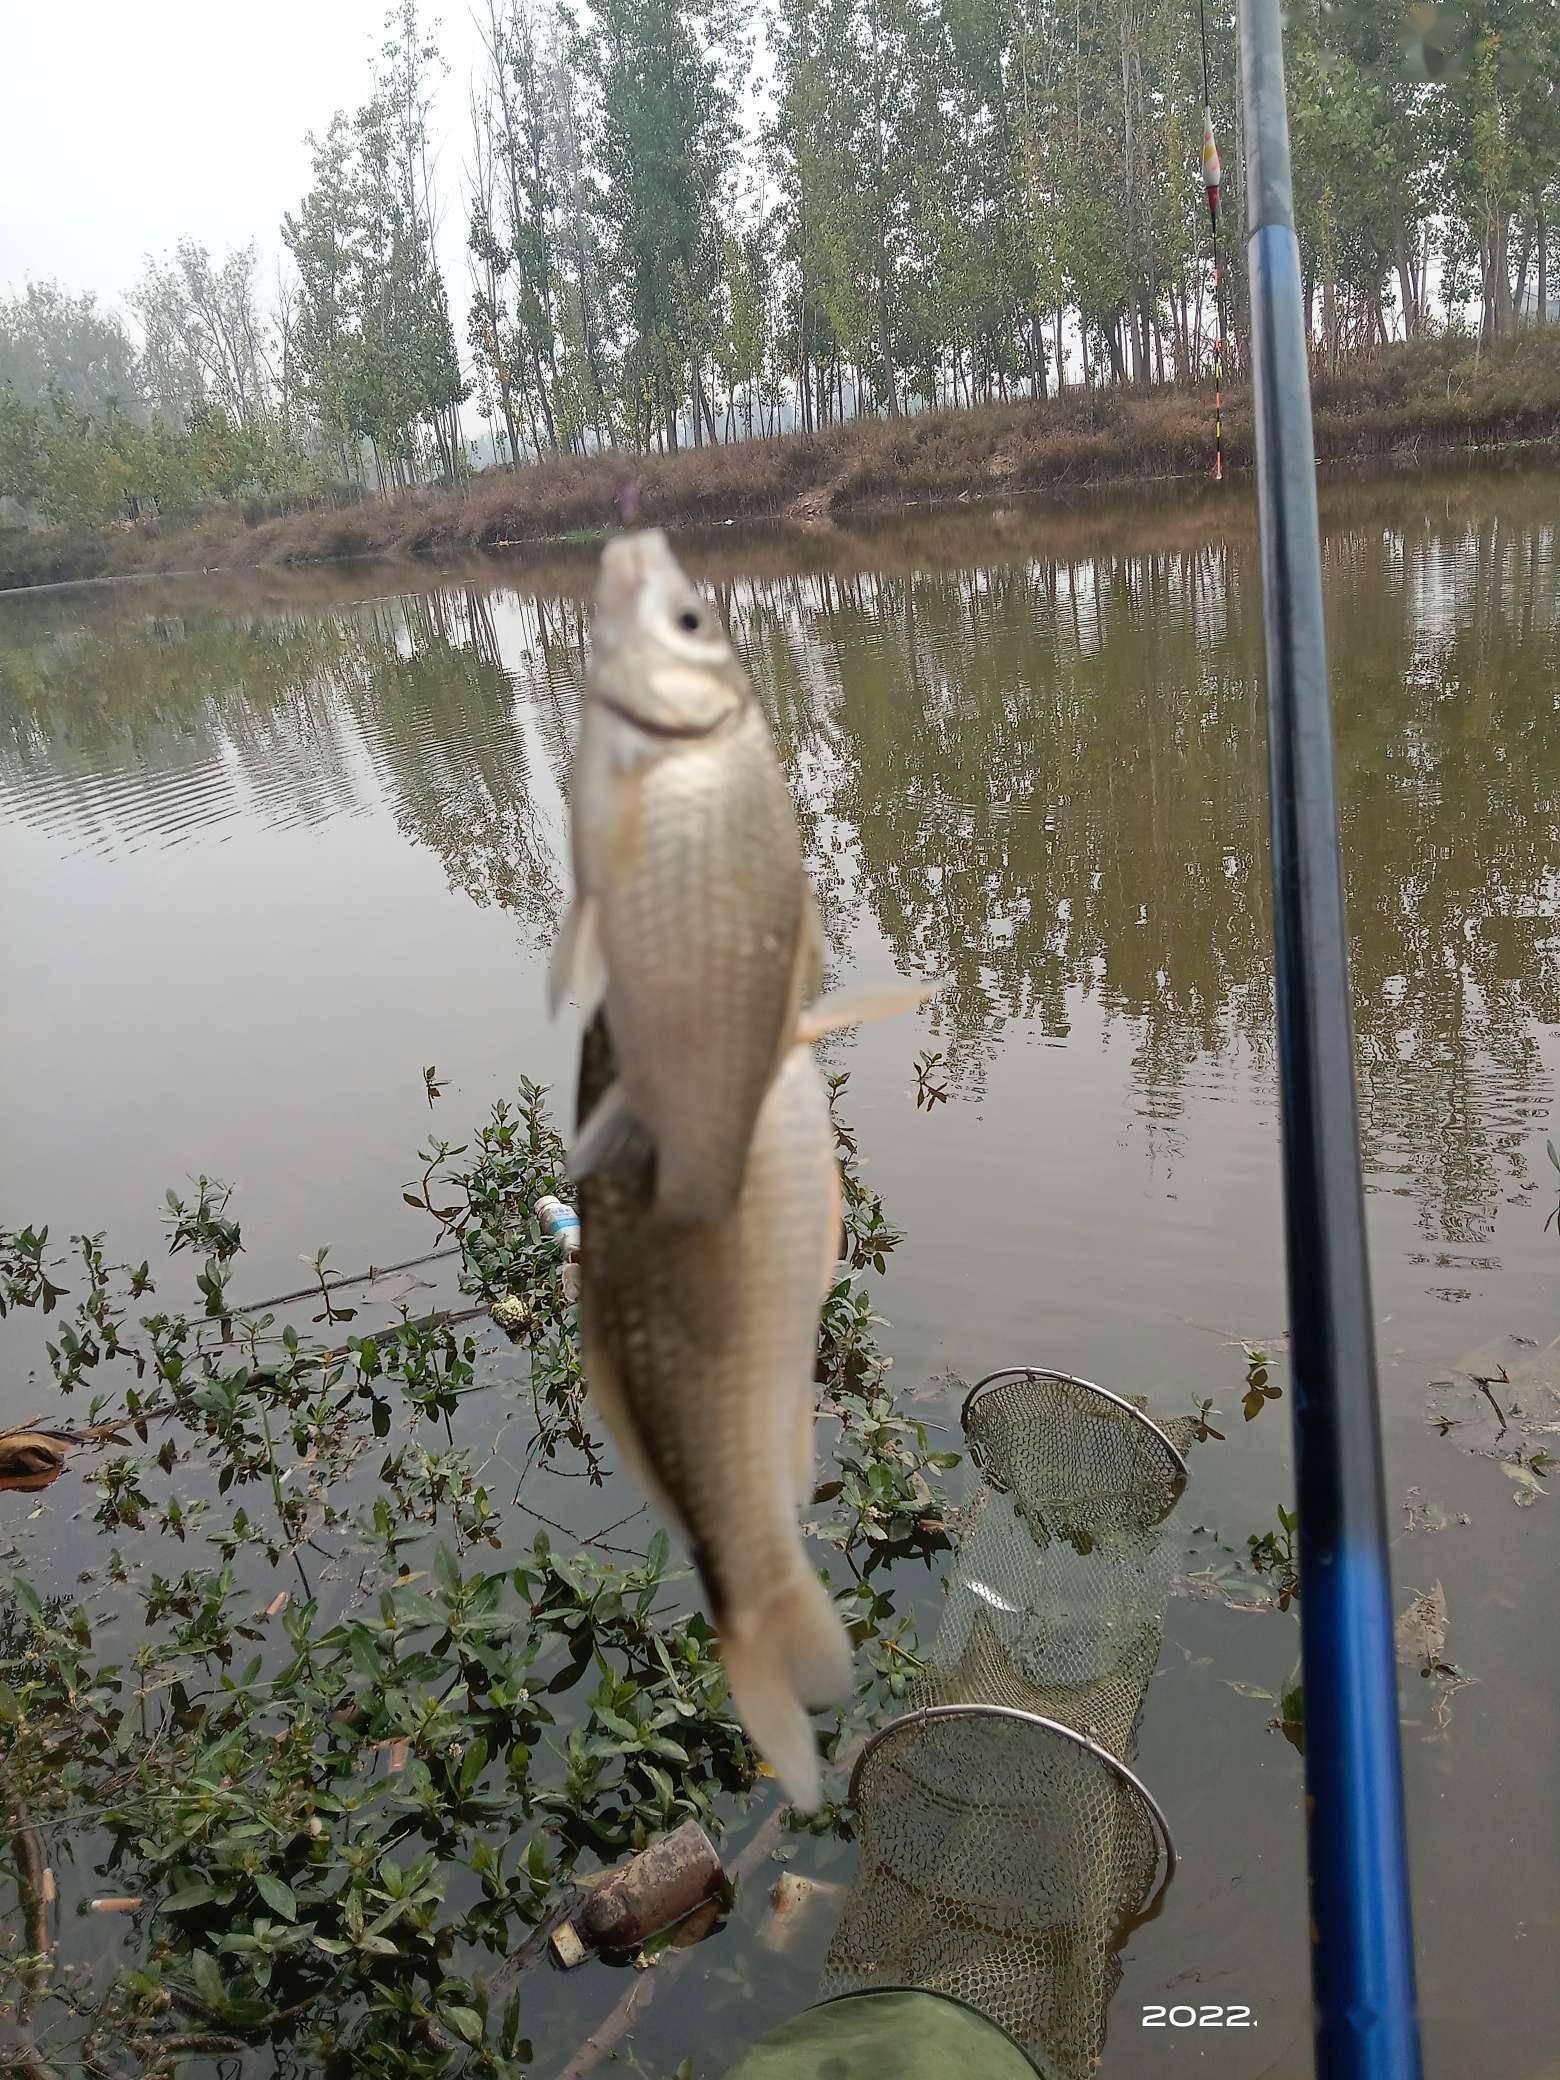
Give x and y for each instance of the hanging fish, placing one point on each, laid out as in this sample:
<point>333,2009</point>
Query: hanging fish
<point>699,1346</point>
<point>693,926</point>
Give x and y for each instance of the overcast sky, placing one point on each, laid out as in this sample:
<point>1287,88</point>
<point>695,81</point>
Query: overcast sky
<point>124,127</point>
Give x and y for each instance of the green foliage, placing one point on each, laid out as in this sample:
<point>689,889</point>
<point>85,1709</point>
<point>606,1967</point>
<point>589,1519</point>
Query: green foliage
<point>52,341</point>
<point>373,338</point>
<point>335,1810</point>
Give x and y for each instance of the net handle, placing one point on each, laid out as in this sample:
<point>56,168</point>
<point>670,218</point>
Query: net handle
<point>909,1721</point>
<point>1035,1373</point>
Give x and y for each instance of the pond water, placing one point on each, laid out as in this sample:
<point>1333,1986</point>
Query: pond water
<point>272,845</point>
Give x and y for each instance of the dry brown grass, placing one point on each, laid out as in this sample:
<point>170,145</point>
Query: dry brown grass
<point>1433,396</point>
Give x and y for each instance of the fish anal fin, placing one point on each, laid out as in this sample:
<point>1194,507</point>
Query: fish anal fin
<point>612,1138</point>
<point>578,967</point>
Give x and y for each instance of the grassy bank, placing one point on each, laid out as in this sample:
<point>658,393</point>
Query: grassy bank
<point>1434,396</point>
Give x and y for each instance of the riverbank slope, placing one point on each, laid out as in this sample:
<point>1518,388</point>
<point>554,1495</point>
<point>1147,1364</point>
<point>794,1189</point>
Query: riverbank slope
<point>1433,396</point>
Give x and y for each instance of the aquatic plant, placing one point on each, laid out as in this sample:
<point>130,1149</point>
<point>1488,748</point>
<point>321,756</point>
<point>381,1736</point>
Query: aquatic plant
<point>320,1813</point>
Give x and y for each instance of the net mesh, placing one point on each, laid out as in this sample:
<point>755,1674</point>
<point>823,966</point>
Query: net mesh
<point>1004,1862</point>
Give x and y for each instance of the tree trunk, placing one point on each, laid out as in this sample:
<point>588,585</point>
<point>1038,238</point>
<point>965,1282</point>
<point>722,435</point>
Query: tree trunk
<point>1409,290</point>
<point>1037,355</point>
<point>701,401</point>
<point>881,200</point>
<point>1061,361</point>
<point>544,403</point>
<point>508,403</point>
<point>1543,265</point>
<point>1499,270</point>
<point>1524,259</point>
<point>885,351</point>
<point>1330,321</point>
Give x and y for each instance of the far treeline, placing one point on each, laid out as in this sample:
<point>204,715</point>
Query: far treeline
<point>689,222</point>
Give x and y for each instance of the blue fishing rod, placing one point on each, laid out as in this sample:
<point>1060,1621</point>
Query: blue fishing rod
<point>1362,1952</point>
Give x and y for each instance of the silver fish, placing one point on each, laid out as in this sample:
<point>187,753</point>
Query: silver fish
<point>700,1348</point>
<point>693,925</point>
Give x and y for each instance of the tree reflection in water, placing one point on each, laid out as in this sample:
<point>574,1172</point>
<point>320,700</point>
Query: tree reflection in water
<point>1029,750</point>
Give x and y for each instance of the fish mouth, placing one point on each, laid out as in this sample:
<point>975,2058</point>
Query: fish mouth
<point>675,731</point>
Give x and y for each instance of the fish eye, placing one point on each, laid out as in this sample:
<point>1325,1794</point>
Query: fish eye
<point>691,619</point>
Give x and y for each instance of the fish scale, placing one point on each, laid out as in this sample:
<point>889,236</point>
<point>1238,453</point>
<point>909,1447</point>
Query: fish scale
<point>702,940</point>
<point>699,1348</point>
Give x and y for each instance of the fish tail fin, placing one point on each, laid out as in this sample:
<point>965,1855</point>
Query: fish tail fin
<point>861,1004</point>
<point>790,1652</point>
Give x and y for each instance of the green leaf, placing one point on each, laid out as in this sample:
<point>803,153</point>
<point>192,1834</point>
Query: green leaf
<point>207,1975</point>
<point>277,1896</point>
<point>466,2023</point>
<point>197,1893</point>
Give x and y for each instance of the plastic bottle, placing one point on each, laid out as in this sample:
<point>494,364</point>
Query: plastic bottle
<point>561,1223</point>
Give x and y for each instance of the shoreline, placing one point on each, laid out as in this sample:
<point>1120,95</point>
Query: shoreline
<point>1409,405</point>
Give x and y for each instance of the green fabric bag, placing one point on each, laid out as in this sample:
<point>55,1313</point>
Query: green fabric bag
<point>885,2035</point>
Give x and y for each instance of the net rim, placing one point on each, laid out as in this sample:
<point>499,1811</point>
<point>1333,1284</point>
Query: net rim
<point>1035,1373</point>
<point>909,1721</point>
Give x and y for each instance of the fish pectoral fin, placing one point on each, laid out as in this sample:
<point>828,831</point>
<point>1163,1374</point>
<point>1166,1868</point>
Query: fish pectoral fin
<point>612,1138</point>
<point>578,967</point>
<point>790,1652</point>
<point>861,1004</point>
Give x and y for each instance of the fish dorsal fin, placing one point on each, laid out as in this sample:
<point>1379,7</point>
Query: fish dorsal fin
<point>612,1138</point>
<point>578,967</point>
<point>861,1004</point>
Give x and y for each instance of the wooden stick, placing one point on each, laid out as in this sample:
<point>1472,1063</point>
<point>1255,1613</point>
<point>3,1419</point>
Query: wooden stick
<point>32,1878</point>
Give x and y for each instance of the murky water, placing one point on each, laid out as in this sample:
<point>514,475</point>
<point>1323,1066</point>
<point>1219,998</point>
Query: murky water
<point>270,846</point>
